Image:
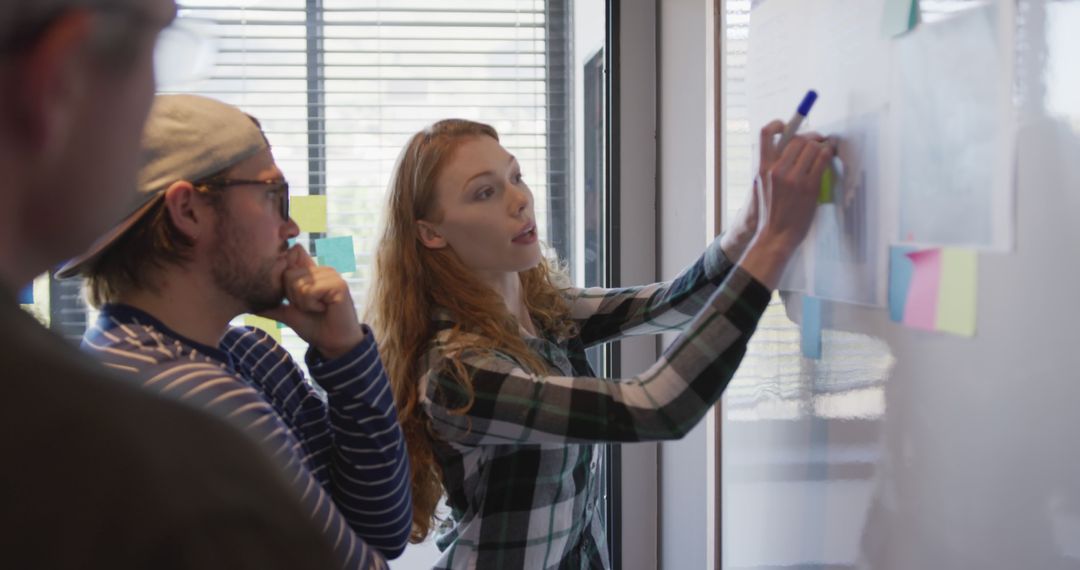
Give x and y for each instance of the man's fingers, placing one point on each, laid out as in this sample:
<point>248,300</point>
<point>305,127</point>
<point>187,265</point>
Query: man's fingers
<point>299,257</point>
<point>308,302</point>
<point>314,289</point>
<point>298,285</point>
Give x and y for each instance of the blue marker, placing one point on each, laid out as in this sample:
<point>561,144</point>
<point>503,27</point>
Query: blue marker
<point>797,119</point>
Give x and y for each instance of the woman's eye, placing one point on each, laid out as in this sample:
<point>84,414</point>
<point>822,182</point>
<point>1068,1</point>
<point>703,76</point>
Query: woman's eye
<point>518,178</point>
<point>485,193</point>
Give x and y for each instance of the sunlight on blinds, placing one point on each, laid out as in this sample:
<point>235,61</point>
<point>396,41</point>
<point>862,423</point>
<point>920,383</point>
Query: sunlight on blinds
<point>340,85</point>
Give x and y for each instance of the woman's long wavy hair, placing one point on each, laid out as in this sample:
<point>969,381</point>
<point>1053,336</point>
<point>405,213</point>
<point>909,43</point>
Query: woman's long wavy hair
<point>411,281</point>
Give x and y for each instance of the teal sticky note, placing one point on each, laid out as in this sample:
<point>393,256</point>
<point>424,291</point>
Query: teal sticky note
<point>337,252</point>
<point>901,271</point>
<point>899,16</point>
<point>811,327</point>
<point>26,295</point>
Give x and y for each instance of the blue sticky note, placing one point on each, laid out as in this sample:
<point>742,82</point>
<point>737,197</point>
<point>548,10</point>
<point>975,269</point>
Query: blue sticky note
<point>901,271</point>
<point>26,295</point>
<point>811,327</point>
<point>337,252</point>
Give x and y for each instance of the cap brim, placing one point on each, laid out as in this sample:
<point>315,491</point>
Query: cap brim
<point>74,267</point>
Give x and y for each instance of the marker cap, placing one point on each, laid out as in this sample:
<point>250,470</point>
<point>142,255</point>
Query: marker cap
<point>807,102</point>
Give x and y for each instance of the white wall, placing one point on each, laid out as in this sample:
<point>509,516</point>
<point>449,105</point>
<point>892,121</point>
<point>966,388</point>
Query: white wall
<point>686,488</point>
<point>637,197</point>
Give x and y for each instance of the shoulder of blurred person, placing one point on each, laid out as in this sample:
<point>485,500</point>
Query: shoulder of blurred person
<point>99,474</point>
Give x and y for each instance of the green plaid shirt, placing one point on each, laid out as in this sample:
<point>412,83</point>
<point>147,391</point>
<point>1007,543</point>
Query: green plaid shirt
<point>521,466</point>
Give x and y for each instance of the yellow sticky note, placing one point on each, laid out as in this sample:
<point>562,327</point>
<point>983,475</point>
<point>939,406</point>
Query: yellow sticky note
<point>825,195</point>
<point>309,212</point>
<point>957,296</point>
<point>268,325</point>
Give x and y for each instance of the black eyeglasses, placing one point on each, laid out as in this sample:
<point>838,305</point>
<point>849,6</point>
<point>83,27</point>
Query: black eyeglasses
<point>280,186</point>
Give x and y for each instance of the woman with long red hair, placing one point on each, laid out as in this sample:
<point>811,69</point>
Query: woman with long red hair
<point>484,343</point>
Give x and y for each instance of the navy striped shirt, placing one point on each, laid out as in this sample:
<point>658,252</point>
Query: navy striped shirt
<point>343,451</point>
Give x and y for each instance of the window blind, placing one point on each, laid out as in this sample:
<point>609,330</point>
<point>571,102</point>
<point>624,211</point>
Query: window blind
<point>340,85</point>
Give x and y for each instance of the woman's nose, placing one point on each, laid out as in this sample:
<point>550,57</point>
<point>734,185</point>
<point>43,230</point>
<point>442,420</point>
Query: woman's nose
<point>521,199</point>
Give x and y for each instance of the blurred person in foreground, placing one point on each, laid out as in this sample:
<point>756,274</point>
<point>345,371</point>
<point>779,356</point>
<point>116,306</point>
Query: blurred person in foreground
<point>100,474</point>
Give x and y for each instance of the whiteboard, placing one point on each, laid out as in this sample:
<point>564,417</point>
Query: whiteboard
<point>904,449</point>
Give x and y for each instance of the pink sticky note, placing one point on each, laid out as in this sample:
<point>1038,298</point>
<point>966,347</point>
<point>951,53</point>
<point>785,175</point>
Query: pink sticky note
<point>920,311</point>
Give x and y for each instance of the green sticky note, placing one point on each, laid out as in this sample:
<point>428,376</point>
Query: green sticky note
<point>309,212</point>
<point>268,325</point>
<point>900,16</point>
<point>337,252</point>
<point>825,195</point>
<point>957,294</point>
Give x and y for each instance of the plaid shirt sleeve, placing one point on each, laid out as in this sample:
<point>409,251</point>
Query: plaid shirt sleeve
<point>603,315</point>
<point>664,402</point>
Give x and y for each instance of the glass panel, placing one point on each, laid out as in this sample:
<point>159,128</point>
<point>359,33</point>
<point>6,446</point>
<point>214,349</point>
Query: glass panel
<point>801,438</point>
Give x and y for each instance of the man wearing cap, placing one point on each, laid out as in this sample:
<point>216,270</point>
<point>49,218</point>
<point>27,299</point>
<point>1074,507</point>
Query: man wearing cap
<point>98,473</point>
<point>207,241</point>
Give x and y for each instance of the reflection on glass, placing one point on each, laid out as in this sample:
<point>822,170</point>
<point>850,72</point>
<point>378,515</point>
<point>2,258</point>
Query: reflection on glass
<point>776,382</point>
<point>1062,82</point>
<point>801,438</point>
<point>973,465</point>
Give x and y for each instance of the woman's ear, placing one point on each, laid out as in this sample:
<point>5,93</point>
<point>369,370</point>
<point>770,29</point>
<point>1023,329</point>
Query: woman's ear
<point>187,210</point>
<point>429,236</point>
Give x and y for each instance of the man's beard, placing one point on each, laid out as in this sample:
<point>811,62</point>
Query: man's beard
<point>256,288</point>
